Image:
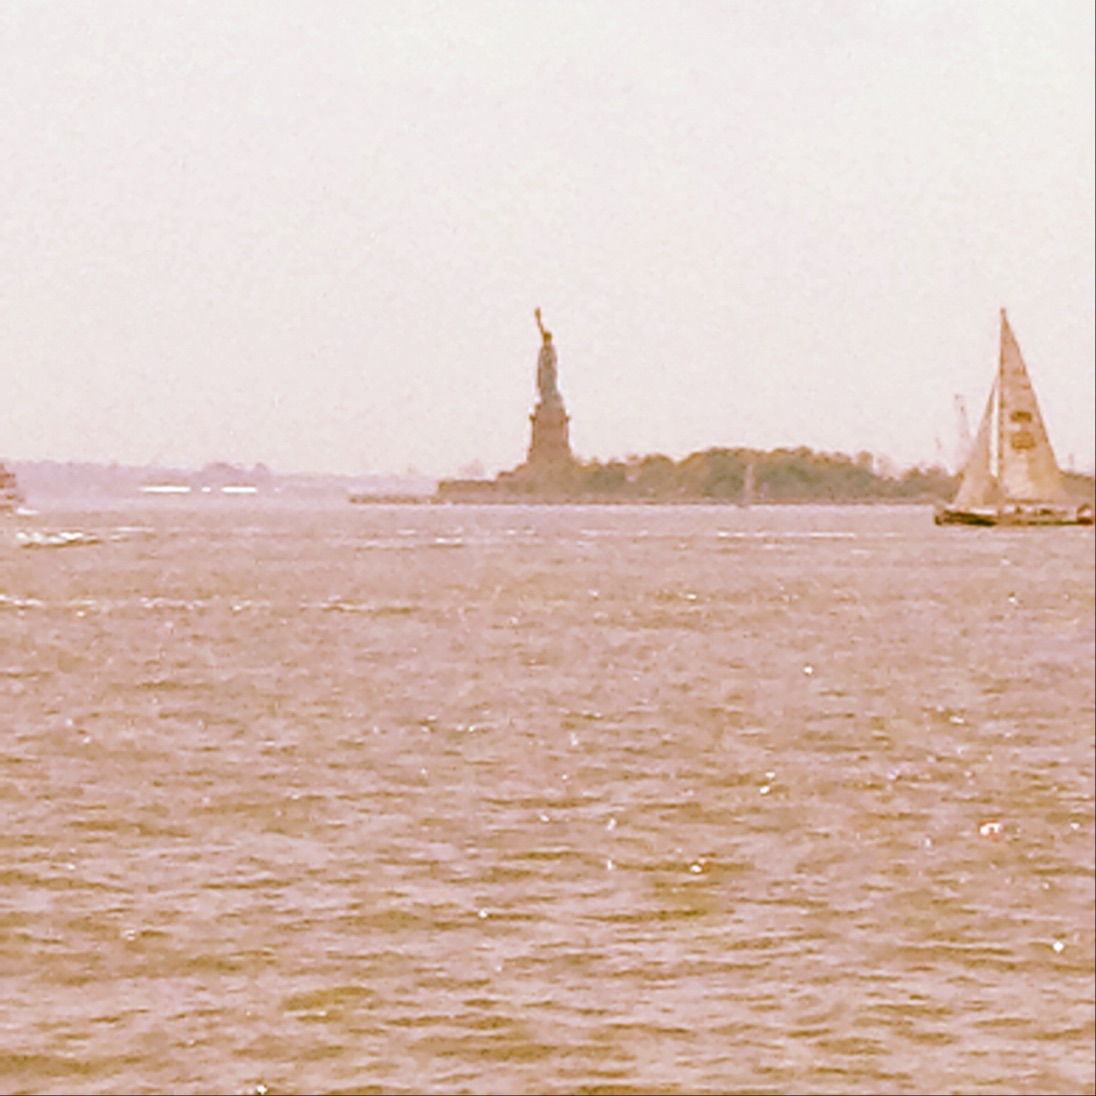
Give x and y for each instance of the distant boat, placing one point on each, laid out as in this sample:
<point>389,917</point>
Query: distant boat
<point>749,485</point>
<point>166,489</point>
<point>62,539</point>
<point>1011,476</point>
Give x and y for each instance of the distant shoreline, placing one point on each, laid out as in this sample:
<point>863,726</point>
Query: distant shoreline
<point>712,478</point>
<point>617,500</point>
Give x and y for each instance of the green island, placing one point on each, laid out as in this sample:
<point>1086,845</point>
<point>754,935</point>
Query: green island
<point>737,476</point>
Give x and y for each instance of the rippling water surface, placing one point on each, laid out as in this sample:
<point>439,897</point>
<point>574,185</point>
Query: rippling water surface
<point>545,800</point>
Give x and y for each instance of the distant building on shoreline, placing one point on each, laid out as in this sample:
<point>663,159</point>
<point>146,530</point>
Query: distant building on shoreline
<point>10,495</point>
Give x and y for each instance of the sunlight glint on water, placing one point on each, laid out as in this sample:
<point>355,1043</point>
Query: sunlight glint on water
<point>457,799</point>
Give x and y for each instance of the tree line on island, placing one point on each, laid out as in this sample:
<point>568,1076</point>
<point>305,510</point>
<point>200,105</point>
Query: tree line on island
<point>722,475</point>
<point>743,476</point>
<point>738,476</point>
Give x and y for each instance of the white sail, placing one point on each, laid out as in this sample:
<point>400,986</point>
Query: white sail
<point>978,486</point>
<point>1027,470</point>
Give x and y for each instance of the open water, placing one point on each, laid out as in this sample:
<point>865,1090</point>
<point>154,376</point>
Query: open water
<point>545,800</point>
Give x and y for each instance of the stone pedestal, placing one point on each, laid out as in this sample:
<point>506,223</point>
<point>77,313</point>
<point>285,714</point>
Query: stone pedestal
<point>549,444</point>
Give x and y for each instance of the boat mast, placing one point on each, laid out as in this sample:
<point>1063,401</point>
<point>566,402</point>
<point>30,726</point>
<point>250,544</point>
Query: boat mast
<point>999,464</point>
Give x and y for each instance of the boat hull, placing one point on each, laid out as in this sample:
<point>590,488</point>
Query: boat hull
<point>1014,515</point>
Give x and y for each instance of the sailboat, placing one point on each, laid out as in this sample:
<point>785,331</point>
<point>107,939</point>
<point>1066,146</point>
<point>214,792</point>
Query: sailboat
<point>1011,476</point>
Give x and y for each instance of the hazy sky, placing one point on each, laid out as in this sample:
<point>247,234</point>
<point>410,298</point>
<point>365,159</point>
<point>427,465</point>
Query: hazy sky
<point>313,233</point>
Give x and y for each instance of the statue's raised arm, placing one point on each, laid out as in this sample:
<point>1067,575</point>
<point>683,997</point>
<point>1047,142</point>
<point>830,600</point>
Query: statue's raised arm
<point>546,336</point>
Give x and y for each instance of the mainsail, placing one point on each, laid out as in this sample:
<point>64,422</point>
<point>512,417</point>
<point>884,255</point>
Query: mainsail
<point>1027,470</point>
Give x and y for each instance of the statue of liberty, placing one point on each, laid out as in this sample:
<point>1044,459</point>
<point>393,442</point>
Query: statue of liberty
<point>549,444</point>
<point>546,366</point>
